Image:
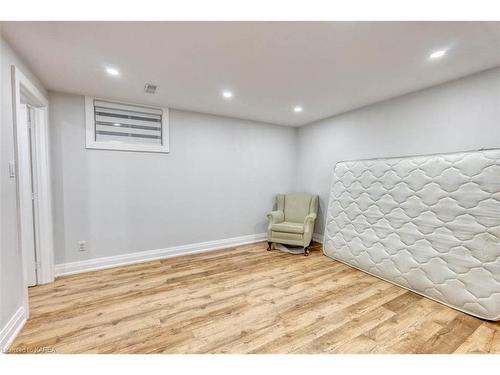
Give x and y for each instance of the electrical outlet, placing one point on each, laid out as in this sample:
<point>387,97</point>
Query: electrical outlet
<point>82,245</point>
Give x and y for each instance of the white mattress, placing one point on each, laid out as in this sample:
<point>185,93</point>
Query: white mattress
<point>430,224</point>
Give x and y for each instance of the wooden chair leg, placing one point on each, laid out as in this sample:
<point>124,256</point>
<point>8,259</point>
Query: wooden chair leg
<point>269,246</point>
<point>306,251</point>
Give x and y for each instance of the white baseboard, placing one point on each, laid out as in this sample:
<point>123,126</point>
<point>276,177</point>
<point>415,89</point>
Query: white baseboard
<point>318,237</point>
<point>12,329</point>
<point>144,256</point>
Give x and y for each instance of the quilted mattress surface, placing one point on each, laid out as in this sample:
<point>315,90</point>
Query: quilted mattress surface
<point>430,224</point>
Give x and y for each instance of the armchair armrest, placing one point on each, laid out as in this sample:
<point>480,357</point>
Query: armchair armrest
<point>276,217</point>
<point>310,218</point>
<point>309,225</point>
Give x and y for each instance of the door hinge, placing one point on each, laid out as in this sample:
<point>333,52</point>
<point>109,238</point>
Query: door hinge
<point>34,196</point>
<point>12,169</point>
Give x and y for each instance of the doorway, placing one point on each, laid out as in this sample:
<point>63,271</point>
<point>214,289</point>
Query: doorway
<point>33,182</point>
<point>31,221</point>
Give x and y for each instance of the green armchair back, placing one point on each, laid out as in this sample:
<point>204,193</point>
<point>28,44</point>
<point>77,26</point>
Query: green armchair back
<point>293,221</point>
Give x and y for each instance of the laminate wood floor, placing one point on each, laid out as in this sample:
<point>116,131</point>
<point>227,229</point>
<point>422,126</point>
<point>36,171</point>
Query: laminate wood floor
<point>243,300</point>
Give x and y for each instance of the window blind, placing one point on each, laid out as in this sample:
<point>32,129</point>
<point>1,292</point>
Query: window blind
<point>116,122</point>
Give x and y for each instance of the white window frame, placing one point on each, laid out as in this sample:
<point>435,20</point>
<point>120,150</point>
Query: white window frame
<point>91,142</point>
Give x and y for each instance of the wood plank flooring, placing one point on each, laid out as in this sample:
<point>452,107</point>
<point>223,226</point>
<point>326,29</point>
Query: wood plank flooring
<point>243,300</point>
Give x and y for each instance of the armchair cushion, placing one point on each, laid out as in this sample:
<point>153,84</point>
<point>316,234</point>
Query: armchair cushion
<point>288,227</point>
<point>297,206</point>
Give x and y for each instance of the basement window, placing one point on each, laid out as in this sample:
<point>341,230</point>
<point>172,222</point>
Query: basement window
<point>114,125</point>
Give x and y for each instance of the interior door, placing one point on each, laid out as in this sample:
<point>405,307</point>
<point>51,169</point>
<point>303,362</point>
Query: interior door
<point>28,195</point>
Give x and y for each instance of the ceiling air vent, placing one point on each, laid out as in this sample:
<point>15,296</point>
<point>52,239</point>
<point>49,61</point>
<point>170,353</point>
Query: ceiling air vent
<point>150,88</point>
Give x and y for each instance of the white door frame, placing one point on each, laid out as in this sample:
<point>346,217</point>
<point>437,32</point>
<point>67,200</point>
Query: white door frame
<point>22,86</point>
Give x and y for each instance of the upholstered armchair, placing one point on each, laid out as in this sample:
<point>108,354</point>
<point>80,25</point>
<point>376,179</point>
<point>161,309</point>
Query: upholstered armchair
<point>293,221</point>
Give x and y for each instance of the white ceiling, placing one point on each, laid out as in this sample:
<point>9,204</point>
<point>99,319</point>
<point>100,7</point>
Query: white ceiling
<point>325,67</point>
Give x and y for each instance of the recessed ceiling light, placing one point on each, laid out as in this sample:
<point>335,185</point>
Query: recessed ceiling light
<point>297,109</point>
<point>116,124</point>
<point>437,54</point>
<point>227,94</point>
<point>112,72</point>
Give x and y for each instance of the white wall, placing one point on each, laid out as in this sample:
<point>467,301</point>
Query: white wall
<point>11,283</point>
<point>455,116</point>
<point>218,182</point>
